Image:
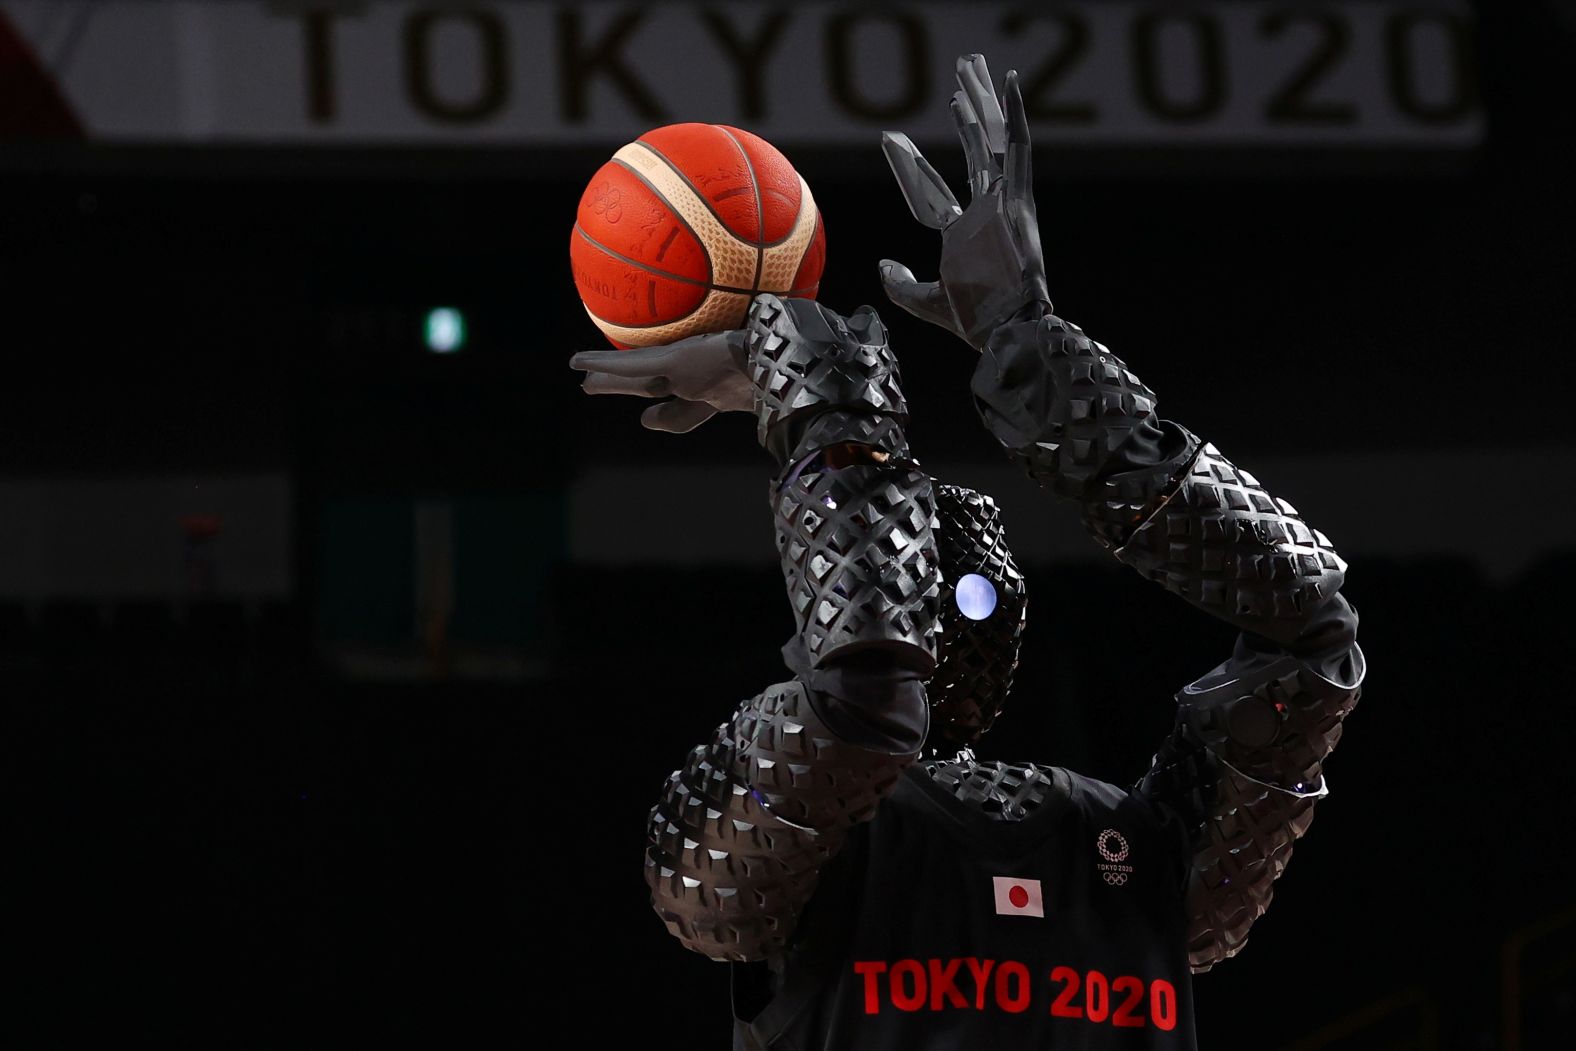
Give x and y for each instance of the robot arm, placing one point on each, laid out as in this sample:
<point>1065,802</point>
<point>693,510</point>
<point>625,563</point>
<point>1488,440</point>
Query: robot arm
<point>739,835</point>
<point>1244,762</point>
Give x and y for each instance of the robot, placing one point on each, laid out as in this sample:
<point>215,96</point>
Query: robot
<point>875,885</point>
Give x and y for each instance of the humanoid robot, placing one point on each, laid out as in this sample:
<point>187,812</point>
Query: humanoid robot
<point>873,883</point>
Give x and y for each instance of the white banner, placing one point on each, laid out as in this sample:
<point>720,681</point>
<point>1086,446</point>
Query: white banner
<point>1094,73</point>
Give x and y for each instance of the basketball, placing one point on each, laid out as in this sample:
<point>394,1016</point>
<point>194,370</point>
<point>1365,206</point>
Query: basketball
<point>677,233</point>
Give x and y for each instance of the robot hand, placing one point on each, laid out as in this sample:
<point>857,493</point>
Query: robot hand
<point>705,374</point>
<point>992,269</point>
<point>795,361</point>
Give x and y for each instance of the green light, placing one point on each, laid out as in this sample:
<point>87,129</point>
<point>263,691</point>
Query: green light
<point>445,330</point>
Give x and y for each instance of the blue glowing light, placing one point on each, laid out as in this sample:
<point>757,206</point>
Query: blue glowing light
<point>444,330</point>
<point>976,596</point>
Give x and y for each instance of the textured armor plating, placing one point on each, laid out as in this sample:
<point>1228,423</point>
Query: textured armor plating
<point>1244,766</point>
<point>733,852</point>
<point>856,542</point>
<point>736,842</point>
<point>1247,845</point>
<point>1225,545</point>
<point>1065,407</point>
<point>804,772</point>
<point>1243,834</point>
<point>725,875</point>
<point>1006,791</point>
<point>978,657</point>
<point>838,426</point>
<point>1061,403</point>
<point>1118,502</point>
<point>805,360</point>
<point>859,558</point>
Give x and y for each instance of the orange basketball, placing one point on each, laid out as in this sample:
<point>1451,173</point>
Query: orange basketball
<point>684,225</point>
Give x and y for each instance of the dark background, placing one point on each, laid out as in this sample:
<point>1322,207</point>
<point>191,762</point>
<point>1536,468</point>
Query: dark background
<point>221,831</point>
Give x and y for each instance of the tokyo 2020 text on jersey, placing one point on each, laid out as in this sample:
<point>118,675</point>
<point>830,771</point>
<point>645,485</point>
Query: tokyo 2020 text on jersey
<point>941,925</point>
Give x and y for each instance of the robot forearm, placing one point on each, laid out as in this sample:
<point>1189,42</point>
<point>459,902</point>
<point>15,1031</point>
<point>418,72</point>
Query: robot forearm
<point>736,842</point>
<point>1244,763</point>
<point>1252,736</point>
<point>1162,502</point>
<point>855,518</point>
<point>1184,516</point>
<point>1244,767</point>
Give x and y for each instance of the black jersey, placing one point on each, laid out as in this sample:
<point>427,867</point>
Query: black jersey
<point>941,926</point>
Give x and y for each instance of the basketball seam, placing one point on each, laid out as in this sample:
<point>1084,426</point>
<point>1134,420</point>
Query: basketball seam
<point>802,186</point>
<point>760,206</point>
<point>702,198</point>
<point>691,183</point>
<point>621,257</point>
<point>677,217</point>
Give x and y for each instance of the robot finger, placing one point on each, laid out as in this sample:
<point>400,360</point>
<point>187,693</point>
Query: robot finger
<point>676,416</point>
<point>976,151</point>
<point>923,188</point>
<point>924,299</point>
<point>640,386</point>
<point>1018,168</point>
<point>974,79</point>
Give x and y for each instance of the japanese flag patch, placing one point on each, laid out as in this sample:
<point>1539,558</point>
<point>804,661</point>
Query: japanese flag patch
<point>1018,897</point>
